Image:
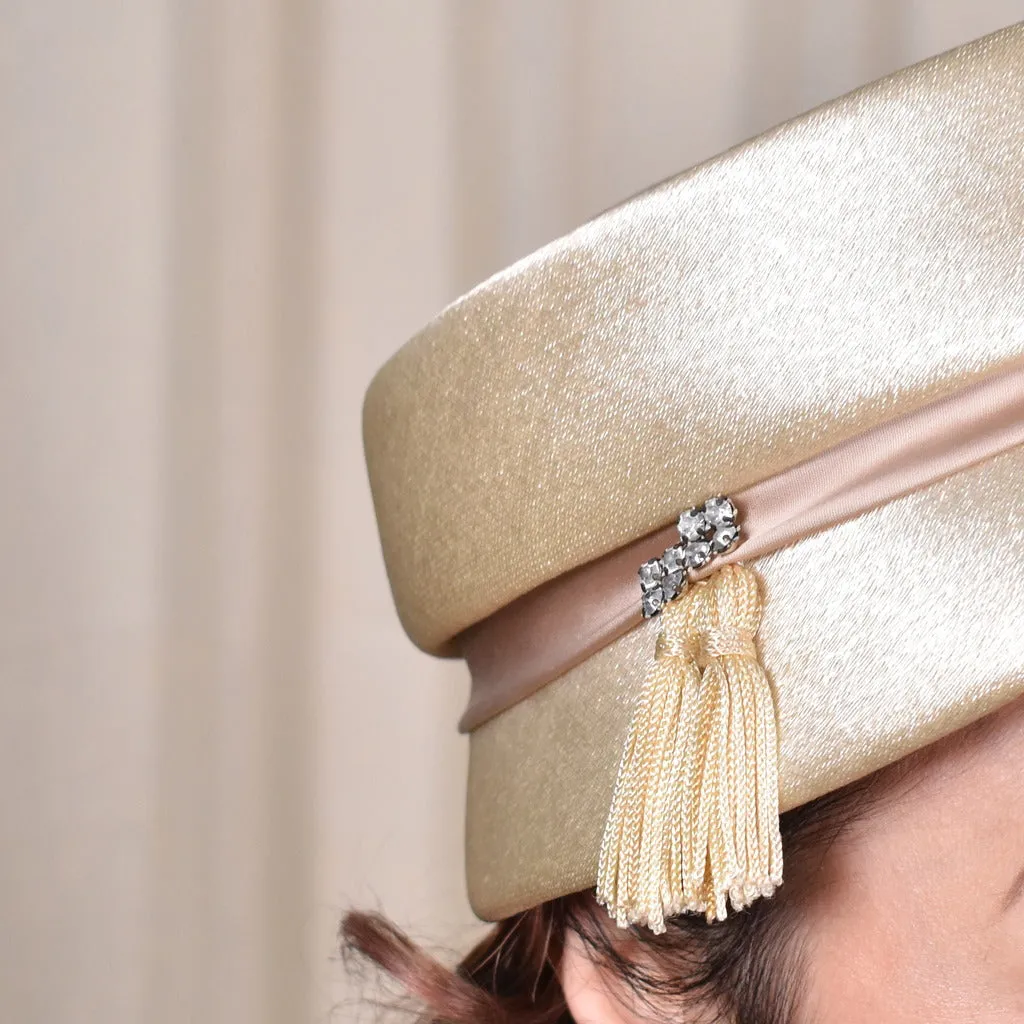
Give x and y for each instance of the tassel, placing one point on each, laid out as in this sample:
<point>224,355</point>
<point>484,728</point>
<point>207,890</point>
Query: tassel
<point>694,821</point>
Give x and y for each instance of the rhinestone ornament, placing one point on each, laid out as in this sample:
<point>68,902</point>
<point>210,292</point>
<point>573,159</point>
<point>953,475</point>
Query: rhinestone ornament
<point>675,571</point>
<point>704,531</point>
<point>697,554</point>
<point>719,512</point>
<point>652,595</point>
<point>651,574</point>
<point>724,538</point>
<point>652,602</point>
<point>692,525</point>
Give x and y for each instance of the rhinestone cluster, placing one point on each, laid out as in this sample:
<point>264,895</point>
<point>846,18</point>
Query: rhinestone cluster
<point>704,531</point>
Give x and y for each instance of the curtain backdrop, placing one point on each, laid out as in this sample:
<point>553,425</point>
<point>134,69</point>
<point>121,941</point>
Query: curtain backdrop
<point>218,217</point>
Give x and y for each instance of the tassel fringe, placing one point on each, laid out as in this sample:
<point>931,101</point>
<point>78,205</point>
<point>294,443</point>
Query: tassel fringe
<point>694,821</point>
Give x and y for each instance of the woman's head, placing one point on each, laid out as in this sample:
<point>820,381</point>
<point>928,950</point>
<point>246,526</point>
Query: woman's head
<point>904,901</point>
<point>720,497</point>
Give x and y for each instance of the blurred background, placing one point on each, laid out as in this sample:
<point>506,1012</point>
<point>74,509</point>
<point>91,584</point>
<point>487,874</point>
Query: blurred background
<point>217,219</point>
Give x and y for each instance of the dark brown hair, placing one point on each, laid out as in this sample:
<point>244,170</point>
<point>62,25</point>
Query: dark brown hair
<point>747,969</point>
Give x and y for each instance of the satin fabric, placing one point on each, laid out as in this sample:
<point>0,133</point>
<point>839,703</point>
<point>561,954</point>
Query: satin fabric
<point>838,271</point>
<point>543,634</point>
<point>880,636</point>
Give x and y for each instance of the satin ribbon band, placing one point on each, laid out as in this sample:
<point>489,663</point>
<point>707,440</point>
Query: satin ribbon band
<point>546,632</point>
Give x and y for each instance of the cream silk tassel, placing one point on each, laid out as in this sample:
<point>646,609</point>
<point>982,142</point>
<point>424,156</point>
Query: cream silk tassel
<point>694,822</point>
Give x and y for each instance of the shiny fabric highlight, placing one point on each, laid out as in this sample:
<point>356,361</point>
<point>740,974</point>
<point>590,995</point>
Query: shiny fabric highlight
<point>550,630</point>
<point>837,272</point>
<point>856,636</point>
<point>844,268</point>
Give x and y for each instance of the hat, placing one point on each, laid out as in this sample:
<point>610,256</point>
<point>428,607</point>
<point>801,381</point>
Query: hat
<point>720,495</point>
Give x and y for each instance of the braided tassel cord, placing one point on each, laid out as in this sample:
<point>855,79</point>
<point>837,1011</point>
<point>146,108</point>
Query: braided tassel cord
<point>694,821</point>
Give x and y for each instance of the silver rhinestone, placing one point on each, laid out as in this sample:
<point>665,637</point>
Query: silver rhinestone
<point>652,601</point>
<point>725,537</point>
<point>674,567</point>
<point>692,525</point>
<point>672,585</point>
<point>720,512</point>
<point>651,574</point>
<point>697,554</point>
<point>672,559</point>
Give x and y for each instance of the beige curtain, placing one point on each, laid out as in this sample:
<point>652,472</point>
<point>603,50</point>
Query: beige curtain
<point>217,219</point>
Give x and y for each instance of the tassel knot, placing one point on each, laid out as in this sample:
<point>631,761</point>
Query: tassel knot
<point>680,639</point>
<point>694,819</point>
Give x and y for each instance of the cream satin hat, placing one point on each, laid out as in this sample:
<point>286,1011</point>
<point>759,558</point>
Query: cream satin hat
<point>813,348</point>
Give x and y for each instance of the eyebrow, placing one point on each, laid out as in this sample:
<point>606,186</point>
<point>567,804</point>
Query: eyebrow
<point>1015,892</point>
